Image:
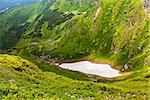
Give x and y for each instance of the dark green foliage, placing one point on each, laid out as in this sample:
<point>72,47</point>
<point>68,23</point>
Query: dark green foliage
<point>11,37</point>
<point>14,22</point>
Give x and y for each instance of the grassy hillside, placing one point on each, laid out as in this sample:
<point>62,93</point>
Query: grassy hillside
<point>74,6</point>
<point>113,30</point>
<point>16,21</point>
<point>21,79</point>
<point>106,31</point>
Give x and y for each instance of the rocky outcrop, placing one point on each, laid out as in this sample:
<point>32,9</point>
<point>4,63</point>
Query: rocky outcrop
<point>79,1</point>
<point>146,5</point>
<point>126,67</point>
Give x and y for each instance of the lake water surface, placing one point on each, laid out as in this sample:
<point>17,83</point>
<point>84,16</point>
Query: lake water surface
<point>87,67</point>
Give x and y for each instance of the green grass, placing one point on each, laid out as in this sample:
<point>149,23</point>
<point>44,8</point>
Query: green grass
<point>24,80</point>
<point>15,22</point>
<point>73,6</point>
<point>113,37</point>
<point>70,74</point>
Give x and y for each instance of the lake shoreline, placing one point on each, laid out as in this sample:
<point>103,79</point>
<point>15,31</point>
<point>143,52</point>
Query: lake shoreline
<point>87,67</point>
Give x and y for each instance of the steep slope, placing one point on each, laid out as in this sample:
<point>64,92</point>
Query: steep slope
<point>114,30</point>
<point>107,31</point>
<point>15,22</point>
<point>21,79</point>
<point>74,6</point>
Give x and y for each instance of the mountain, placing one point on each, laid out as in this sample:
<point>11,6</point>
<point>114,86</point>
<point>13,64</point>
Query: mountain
<point>14,21</point>
<point>119,34</point>
<point>56,31</point>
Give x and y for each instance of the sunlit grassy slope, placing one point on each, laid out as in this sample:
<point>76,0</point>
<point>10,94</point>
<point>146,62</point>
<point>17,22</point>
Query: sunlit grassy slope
<point>115,31</point>
<point>22,79</point>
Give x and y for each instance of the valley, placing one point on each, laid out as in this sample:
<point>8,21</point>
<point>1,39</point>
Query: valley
<point>75,49</point>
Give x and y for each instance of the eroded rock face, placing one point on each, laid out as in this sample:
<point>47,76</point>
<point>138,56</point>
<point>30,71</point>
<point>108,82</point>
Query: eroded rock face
<point>146,5</point>
<point>126,67</point>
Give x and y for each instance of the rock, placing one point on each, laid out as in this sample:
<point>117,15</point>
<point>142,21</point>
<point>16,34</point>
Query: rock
<point>11,81</point>
<point>35,43</point>
<point>139,49</point>
<point>112,47</point>
<point>126,66</point>
<point>131,21</point>
<point>78,1</point>
<point>146,4</point>
<point>129,55</point>
<point>72,96</point>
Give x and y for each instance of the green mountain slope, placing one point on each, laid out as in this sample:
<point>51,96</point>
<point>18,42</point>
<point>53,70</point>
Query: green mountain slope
<point>74,6</point>
<point>20,79</point>
<point>14,22</point>
<point>106,31</point>
<point>115,30</point>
